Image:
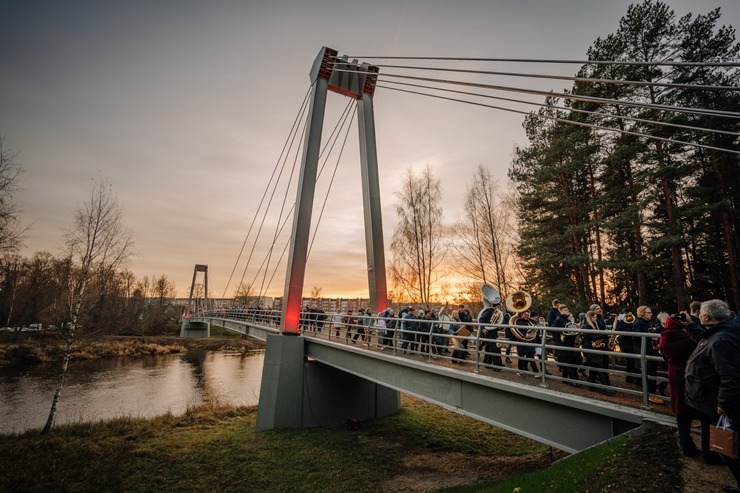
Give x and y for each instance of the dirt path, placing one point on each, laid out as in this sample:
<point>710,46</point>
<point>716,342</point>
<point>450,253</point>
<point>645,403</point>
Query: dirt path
<point>702,478</point>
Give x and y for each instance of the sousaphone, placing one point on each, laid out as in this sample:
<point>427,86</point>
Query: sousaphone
<point>491,299</point>
<point>518,302</point>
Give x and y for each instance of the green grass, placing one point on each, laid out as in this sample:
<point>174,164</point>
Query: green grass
<point>575,473</point>
<point>218,449</point>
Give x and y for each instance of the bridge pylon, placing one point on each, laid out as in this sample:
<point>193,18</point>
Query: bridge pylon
<point>197,302</point>
<point>291,384</point>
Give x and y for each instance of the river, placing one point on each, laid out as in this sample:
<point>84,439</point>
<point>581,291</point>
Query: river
<point>143,387</point>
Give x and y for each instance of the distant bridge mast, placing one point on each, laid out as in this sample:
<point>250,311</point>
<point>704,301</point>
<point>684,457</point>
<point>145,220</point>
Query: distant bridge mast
<point>355,80</point>
<point>198,303</point>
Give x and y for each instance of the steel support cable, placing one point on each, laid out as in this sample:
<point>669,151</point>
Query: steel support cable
<point>575,97</point>
<point>297,119</point>
<point>284,156</point>
<point>329,146</point>
<point>539,60</point>
<point>343,120</point>
<point>571,122</point>
<point>331,182</point>
<point>282,206</point>
<point>571,78</point>
<point>575,110</point>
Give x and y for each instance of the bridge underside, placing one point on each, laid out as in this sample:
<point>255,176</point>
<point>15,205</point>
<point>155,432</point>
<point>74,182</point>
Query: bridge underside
<point>567,422</point>
<point>309,382</point>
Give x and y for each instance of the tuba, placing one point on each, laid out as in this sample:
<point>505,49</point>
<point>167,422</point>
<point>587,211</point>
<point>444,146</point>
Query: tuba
<point>517,302</point>
<point>629,318</point>
<point>491,299</point>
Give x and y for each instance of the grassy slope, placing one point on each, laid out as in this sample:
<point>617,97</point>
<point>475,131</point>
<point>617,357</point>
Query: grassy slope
<point>219,450</point>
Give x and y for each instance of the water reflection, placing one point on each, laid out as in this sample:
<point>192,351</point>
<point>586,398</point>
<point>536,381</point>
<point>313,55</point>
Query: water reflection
<point>147,386</point>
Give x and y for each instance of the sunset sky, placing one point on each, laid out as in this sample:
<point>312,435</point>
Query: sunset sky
<point>184,106</point>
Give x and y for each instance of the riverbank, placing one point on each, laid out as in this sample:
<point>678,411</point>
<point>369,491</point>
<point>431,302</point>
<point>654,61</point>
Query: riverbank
<point>422,448</point>
<point>29,349</point>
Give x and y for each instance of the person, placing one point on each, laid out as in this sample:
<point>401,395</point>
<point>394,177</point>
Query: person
<point>349,322</point>
<point>525,352</point>
<point>337,321</point>
<point>568,358</point>
<point>713,372</point>
<point>594,341</point>
<point>534,317</point>
<point>553,312</point>
<point>362,322</point>
<point>386,328</point>
<point>694,308</point>
<point>408,330</point>
<point>489,334</point>
<point>676,346</point>
<point>627,346</point>
<point>459,340</point>
<point>642,325</point>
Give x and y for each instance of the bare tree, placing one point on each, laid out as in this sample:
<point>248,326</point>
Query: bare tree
<point>246,295</point>
<point>418,244</point>
<point>98,243</point>
<point>11,233</point>
<point>316,292</point>
<point>483,239</point>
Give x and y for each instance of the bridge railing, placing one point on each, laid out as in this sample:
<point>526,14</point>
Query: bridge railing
<point>637,374</point>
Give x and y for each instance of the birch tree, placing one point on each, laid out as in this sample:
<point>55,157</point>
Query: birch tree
<point>11,233</point>
<point>418,244</point>
<point>483,239</point>
<point>97,244</point>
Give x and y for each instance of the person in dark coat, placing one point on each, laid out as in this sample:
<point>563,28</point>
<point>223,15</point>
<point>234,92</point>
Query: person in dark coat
<point>713,371</point>
<point>568,358</point>
<point>676,346</point>
<point>642,325</point>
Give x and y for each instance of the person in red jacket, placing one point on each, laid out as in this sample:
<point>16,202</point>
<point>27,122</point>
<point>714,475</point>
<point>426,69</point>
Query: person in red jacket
<point>676,345</point>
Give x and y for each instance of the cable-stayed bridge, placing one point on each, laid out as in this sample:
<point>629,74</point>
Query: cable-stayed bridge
<point>332,378</point>
<point>311,377</point>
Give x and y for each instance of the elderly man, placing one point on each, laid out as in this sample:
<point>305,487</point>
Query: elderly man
<point>713,372</point>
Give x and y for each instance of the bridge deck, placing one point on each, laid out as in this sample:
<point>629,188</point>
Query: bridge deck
<point>540,406</point>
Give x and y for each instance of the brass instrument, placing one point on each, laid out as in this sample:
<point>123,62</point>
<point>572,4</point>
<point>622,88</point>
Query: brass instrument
<point>518,302</point>
<point>569,332</point>
<point>598,344</point>
<point>613,342</point>
<point>629,318</point>
<point>491,298</point>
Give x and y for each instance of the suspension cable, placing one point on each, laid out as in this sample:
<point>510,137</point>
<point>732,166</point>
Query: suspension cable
<point>331,181</point>
<point>327,149</point>
<point>298,117</point>
<point>575,97</point>
<point>540,60</point>
<point>575,110</point>
<point>571,122</point>
<point>571,78</point>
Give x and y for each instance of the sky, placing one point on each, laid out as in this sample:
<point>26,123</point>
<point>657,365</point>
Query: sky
<point>184,107</point>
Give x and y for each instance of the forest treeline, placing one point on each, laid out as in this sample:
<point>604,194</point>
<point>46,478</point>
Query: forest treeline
<point>626,193</point>
<point>633,202</point>
<point>37,290</point>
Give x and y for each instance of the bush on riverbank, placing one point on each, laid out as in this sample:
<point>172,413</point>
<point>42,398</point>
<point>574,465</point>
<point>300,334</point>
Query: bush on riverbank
<point>422,448</point>
<point>35,349</point>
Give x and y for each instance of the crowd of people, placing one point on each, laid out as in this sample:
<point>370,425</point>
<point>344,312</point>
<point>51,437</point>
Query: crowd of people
<point>699,350</point>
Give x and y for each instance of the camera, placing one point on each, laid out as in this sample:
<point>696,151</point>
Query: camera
<point>681,317</point>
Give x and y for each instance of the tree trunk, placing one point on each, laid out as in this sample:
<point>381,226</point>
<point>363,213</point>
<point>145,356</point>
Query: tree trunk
<point>677,273</point>
<point>58,391</point>
<point>729,237</point>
